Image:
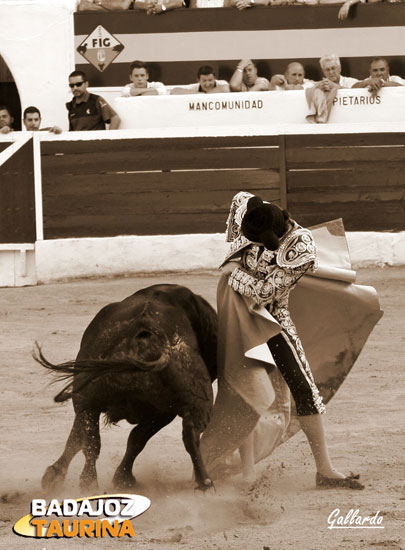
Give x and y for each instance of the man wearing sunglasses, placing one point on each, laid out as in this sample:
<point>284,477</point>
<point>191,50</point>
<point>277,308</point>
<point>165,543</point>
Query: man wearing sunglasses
<point>88,111</point>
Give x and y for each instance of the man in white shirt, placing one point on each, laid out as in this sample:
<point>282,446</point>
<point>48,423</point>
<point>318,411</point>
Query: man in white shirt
<point>379,77</point>
<point>331,69</point>
<point>246,79</point>
<point>206,84</point>
<point>32,121</point>
<point>292,79</point>
<point>140,85</point>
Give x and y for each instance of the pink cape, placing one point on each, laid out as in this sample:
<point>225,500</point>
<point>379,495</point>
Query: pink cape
<point>334,318</point>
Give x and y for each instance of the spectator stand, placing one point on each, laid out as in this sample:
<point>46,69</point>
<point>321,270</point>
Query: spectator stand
<point>175,44</point>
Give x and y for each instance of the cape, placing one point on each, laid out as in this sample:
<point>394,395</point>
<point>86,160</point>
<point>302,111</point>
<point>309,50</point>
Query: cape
<point>334,317</point>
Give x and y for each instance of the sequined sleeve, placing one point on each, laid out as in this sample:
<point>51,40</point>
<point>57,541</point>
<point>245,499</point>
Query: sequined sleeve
<point>236,213</point>
<point>298,249</point>
<point>268,276</point>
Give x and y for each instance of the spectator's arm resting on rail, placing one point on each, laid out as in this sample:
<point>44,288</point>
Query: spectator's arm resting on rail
<point>52,129</point>
<point>261,85</point>
<point>153,7</point>
<point>132,91</point>
<point>104,5</point>
<point>326,85</point>
<point>277,81</point>
<point>220,89</point>
<point>374,84</point>
<point>344,10</point>
<point>243,4</point>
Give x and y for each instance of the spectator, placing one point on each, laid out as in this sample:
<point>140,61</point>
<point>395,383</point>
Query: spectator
<point>88,111</point>
<point>32,121</point>
<point>206,84</point>
<point>239,4</point>
<point>331,69</point>
<point>6,120</point>
<point>243,4</point>
<point>104,5</point>
<point>245,78</point>
<point>157,7</point>
<point>292,79</point>
<point>139,76</point>
<point>344,10</point>
<point>379,77</point>
<point>210,3</point>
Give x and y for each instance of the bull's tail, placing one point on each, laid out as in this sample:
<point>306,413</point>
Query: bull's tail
<point>93,369</point>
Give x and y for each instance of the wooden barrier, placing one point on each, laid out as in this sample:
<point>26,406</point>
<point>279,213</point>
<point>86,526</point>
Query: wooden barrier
<point>152,186</point>
<point>184,185</point>
<point>119,185</point>
<point>17,199</point>
<point>358,177</point>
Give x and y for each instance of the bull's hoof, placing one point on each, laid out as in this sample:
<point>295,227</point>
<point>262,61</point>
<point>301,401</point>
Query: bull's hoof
<point>88,484</point>
<point>53,478</point>
<point>205,485</point>
<point>124,480</point>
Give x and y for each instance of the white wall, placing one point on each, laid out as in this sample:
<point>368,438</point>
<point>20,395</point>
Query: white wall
<point>63,259</point>
<point>256,109</point>
<point>37,43</point>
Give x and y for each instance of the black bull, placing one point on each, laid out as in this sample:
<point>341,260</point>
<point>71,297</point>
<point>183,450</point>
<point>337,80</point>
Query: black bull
<point>146,359</point>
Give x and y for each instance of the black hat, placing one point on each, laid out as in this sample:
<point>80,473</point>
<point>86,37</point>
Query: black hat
<point>264,222</point>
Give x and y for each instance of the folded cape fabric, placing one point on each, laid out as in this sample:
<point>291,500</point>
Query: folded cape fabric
<point>334,318</point>
<point>320,104</point>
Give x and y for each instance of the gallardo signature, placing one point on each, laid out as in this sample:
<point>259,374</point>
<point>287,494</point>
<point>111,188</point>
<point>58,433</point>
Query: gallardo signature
<point>353,520</point>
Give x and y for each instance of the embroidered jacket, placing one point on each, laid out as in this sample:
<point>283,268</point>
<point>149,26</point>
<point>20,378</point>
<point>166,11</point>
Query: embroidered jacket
<point>267,276</point>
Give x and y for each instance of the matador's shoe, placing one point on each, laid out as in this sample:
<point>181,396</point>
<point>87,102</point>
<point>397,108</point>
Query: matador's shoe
<point>348,482</point>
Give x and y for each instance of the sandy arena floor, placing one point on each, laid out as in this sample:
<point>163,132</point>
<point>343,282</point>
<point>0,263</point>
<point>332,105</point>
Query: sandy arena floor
<point>283,510</point>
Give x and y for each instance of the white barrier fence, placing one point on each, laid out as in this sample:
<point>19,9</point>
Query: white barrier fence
<point>255,109</point>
